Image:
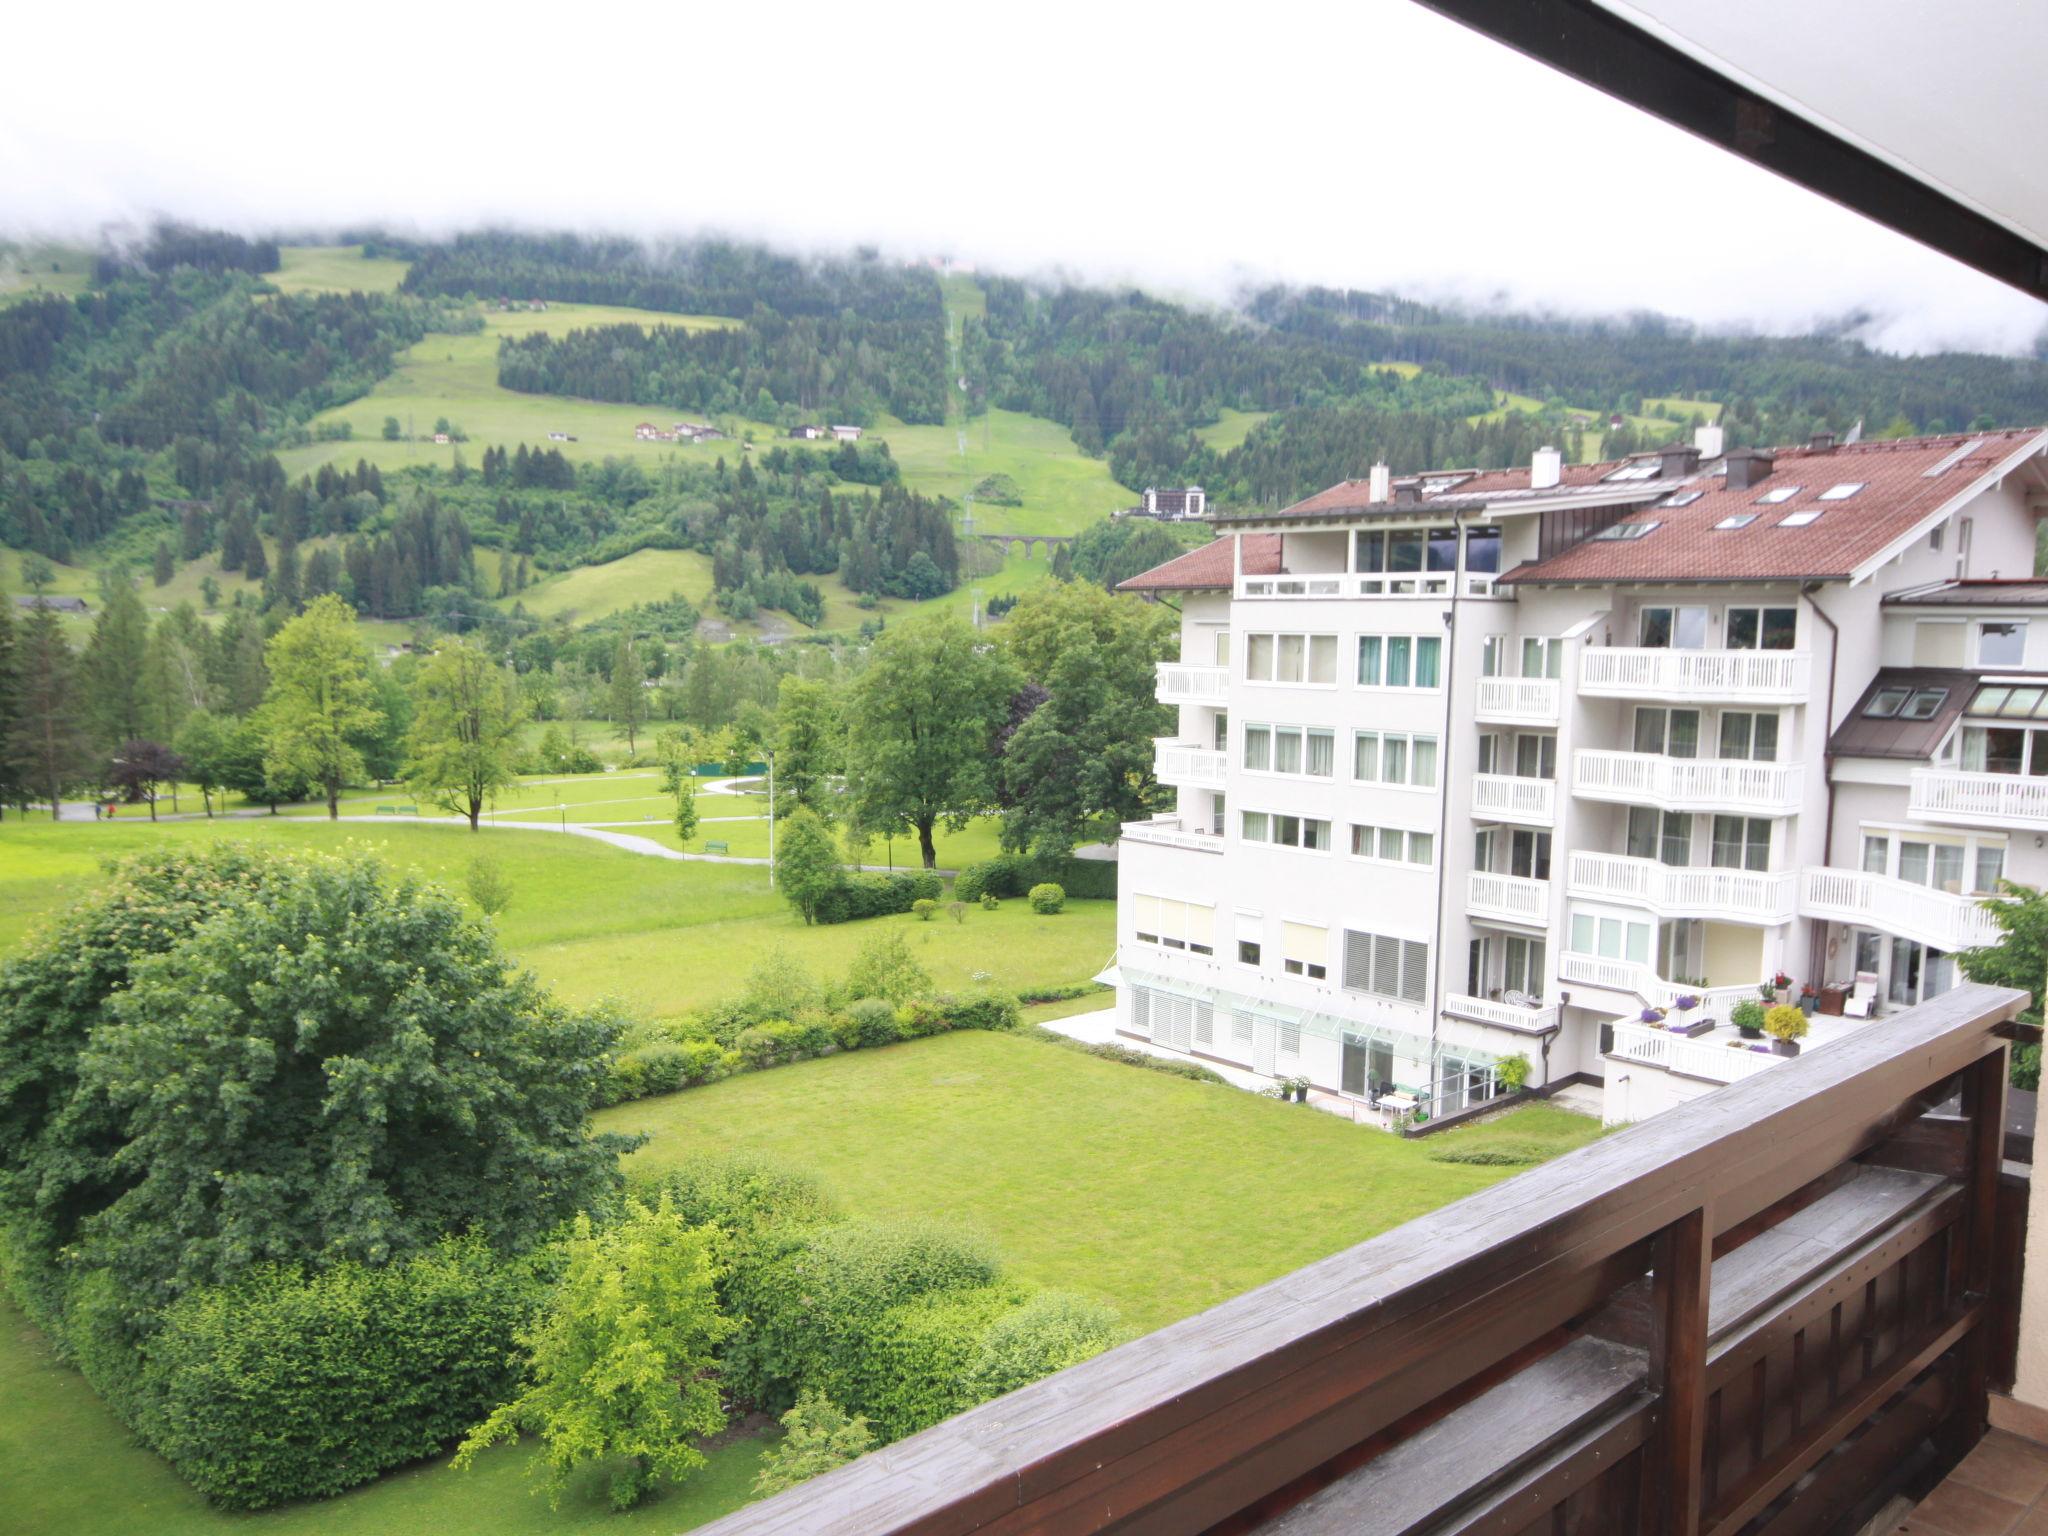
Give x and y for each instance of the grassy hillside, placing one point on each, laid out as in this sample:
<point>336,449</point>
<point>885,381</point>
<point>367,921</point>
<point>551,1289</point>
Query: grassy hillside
<point>36,267</point>
<point>1063,490</point>
<point>1231,429</point>
<point>335,269</point>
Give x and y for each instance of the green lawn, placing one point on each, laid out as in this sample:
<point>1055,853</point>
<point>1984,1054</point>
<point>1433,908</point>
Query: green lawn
<point>1230,429</point>
<point>336,269</point>
<point>1159,1195</point>
<point>663,937</point>
<point>1710,409</point>
<point>36,267</point>
<point>70,1467</point>
<point>1063,490</point>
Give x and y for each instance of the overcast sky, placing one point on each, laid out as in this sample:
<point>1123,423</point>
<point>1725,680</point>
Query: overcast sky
<point>1191,147</point>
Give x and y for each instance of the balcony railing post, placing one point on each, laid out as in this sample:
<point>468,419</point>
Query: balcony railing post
<point>1973,1260</point>
<point>1682,1259</point>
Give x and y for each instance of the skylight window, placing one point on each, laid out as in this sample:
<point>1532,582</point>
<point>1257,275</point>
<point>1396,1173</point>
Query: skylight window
<point>1682,498</point>
<point>2011,703</point>
<point>1622,531</point>
<point>1924,705</point>
<point>1800,518</point>
<point>1644,471</point>
<point>1841,492</point>
<point>1737,520</point>
<point>1782,494</point>
<point>1889,702</point>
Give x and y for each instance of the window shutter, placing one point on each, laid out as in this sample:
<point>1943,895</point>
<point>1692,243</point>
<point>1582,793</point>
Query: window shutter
<point>1205,1023</point>
<point>1414,971</point>
<point>1358,961</point>
<point>1141,1009</point>
<point>1304,943</point>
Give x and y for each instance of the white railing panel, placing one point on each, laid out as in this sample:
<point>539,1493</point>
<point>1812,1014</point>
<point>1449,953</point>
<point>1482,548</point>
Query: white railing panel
<point>1740,895</point>
<point>1187,762</point>
<point>1485,1010</point>
<point>1713,1059</point>
<point>1184,682</point>
<point>1987,799</point>
<point>1707,676</point>
<point>1520,700</point>
<point>1946,921</point>
<point>1508,896</point>
<point>1644,983</point>
<point>1504,797</point>
<point>1171,832</point>
<point>1686,783</point>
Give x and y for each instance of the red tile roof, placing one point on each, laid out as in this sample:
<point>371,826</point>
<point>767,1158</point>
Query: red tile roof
<point>1898,493</point>
<point>1208,568</point>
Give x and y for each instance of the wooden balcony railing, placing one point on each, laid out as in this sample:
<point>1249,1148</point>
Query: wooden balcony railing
<point>1743,1315</point>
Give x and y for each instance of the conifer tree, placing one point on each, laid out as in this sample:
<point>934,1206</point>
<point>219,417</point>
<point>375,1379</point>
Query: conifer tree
<point>112,673</point>
<point>46,740</point>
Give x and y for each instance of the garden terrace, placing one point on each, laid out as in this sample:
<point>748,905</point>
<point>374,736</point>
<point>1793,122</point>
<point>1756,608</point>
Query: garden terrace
<point>1759,1312</point>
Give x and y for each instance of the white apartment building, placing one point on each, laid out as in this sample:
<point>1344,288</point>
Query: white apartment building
<point>1473,765</point>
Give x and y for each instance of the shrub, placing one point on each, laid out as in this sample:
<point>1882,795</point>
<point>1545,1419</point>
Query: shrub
<point>860,895</point>
<point>1193,1071</point>
<point>886,968</point>
<point>1049,1332</point>
<point>1514,1072</point>
<point>283,1386</point>
<point>741,1192</point>
<point>663,1068</point>
<point>957,910</point>
<point>971,884</point>
<point>1490,1154</point>
<point>817,1435</point>
<point>925,908</point>
<point>869,1021</point>
<point>489,886</point>
<point>1060,992</point>
<point>981,1010</point>
<point>810,1297</point>
<point>780,987</point>
<point>909,1367</point>
<point>1785,1022</point>
<point>922,1016</point>
<point>1747,1014</point>
<point>1011,874</point>
<point>1047,899</point>
<point>989,902</point>
<point>772,1044</point>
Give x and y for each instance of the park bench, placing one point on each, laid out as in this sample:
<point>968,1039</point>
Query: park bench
<point>716,848</point>
<point>398,810</point>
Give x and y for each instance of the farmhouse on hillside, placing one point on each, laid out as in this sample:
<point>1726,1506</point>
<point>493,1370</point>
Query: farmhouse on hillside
<point>807,433</point>
<point>648,432</point>
<point>1186,505</point>
<point>56,604</point>
<point>846,434</point>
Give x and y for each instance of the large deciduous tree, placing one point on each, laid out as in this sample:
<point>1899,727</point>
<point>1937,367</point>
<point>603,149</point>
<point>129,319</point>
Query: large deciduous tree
<point>321,701</point>
<point>343,1069</point>
<point>1080,761</point>
<point>624,1359</point>
<point>920,720</point>
<point>140,768</point>
<point>464,741</point>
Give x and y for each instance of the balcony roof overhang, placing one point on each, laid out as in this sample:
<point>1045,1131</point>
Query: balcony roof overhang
<point>1904,118</point>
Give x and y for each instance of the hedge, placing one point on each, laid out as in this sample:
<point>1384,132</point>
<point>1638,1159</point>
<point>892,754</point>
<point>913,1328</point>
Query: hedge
<point>860,894</point>
<point>742,1192</point>
<point>285,1386</point>
<point>1012,874</point>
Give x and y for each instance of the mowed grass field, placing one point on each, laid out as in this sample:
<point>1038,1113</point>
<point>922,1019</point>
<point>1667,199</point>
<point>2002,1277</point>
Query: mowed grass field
<point>1062,489</point>
<point>1231,428</point>
<point>335,269</point>
<point>662,936</point>
<point>32,268</point>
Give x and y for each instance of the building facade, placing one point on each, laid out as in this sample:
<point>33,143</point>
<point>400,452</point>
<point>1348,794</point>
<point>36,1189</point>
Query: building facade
<point>1474,766</point>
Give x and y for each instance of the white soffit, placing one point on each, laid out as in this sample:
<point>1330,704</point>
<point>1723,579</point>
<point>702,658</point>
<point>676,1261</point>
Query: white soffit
<point>1953,93</point>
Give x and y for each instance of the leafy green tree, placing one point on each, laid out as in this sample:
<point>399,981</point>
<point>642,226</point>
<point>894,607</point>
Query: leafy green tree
<point>140,768</point>
<point>203,744</point>
<point>112,670</point>
<point>46,740</point>
<point>391,429</point>
<point>163,564</point>
<point>2020,959</point>
<point>686,808</point>
<point>464,741</point>
<point>920,720</point>
<point>885,967</point>
<point>806,862</point>
<point>627,697</point>
<point>624,1359</point>
<point>488,885</point>
<point>348,1068</point>
<point>817,1435</point>
<point>806,743</point>
<point>321,702</point>
<point>1080,762</point>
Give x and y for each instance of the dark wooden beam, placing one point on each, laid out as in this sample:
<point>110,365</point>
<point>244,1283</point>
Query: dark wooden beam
<point>1593,45</point>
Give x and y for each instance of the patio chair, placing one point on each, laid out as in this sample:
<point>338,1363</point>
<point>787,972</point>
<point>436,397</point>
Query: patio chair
<point>1862,999</point>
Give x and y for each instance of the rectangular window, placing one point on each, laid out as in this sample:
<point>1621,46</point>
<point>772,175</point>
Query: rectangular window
<point>1400,660</point>
<point>1421,847</point>
<point>1369,551</point>
<point>1369,672</point>
<point>1174,924</point>
<point>1762,629</point>
<point>1422,766</point>
<point>1404,551</point>
<point>1542,658</point>
<point>1674,629</point>
<point>1311,832</point>
<point>1305,950</point>
<point>1286,749</point>
<point>1322,754</point>
<point>1668,732</point>
<point>1322,658</point>
<point>1258,658</point>
<point>1247,952</point>
<point>1288,651</point>
<point>1482,550</point>
<point>1428,649</point>
<point>1386,967</point>
<point>1258,747</point>
<point>1443,549</point>
<point>1254,827</point>
<point>1394,760</point>
<point>1753,737</point>
<point>1990,868</point>
<point>2002,643</point>
<point>1674,847</point>
<point>1877,854</point>
<point>1741,842</point>
<point>1222,647</point>
<point>1365,757</point>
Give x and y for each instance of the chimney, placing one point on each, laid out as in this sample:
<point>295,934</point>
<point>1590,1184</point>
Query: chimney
<point>1382,484</point>
<point>1822,442</point>
<point>1546,469</point>
<point>1677,460</point>
<point>1749,466</point>
<point>1709,441</point>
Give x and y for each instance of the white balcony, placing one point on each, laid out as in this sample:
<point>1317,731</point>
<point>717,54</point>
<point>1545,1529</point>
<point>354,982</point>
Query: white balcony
<point>1187,764</point>
<point>1183,682</point>
<point>1687,783</point>
<point>1519,700</point>
<point>1641,982</point>
<point>1503,797</point>
<point>1328,584</point>
<point>1172,831</point>
<point>1695,677</point>
<point>1978,799</point>
<point>1670,890</point>
<point>1484,1010</point>
<point>1508,898</point>
<point>1714,1058</point>
<point>1937,918</point>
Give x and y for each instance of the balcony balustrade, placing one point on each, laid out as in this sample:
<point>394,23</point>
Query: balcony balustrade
<point>1513,898</point>
<point>1504,797</point>
<point>1687,783</point>
<point>1695,677</point>
<point>1947,922</point>
<point>1172,832</point>
<point>1485,1010</point>
<point>1669,890</point>
<point>1978,799</point>
<point>1187,764</point>
<point>1520,700</point>
<point>1185,682</point>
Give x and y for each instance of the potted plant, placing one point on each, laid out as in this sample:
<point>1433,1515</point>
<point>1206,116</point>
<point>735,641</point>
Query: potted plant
<point>1513,1072</point>
<point>1682,1005</point>
<point>1654,1017</point>
<point>1781,988</point>
<point>1809,998</point>
<point>1786,1026</point>
<point>1748,1017</point>
<point>1765,992</point>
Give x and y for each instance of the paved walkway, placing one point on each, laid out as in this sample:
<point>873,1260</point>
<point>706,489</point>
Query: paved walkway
<point>604,834</point>
<point>1999,1489</point>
